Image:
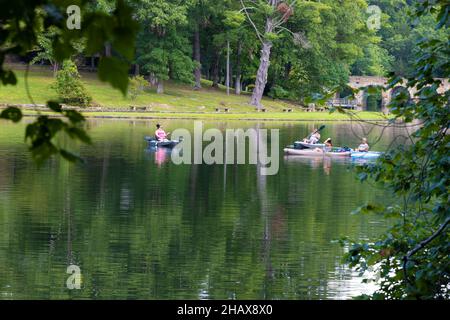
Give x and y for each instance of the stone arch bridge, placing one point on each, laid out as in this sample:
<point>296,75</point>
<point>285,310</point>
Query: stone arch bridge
<point>360,101</point>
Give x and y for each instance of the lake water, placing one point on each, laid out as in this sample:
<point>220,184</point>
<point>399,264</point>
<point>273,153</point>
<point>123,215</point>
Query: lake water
<point>141,227</point>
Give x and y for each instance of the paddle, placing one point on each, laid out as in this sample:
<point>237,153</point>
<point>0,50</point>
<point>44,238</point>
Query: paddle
<point>318,130</point>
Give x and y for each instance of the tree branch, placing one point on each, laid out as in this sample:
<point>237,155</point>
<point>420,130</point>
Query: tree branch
<point>281,21</point>
<point>422,245</point>
<point>258,34</point>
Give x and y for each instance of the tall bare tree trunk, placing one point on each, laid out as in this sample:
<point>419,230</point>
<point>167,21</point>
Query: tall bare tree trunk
<point>227,78</point>
<point>108,49</point>
<point>152,79</point>
<point>160,87</point>
<point>136,69</point>
<point>55,68</point>
<point>287,70</point>
<point>231,74</point>
<point>215,71</point>
<point>237,88</point>
<point>92,63</point>
<point>261,75</point>
<point>197,58</point>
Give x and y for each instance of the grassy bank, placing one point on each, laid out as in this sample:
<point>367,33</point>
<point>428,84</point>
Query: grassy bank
<point>179,101</point>
<point>177,97</point>
<point>258,116</point>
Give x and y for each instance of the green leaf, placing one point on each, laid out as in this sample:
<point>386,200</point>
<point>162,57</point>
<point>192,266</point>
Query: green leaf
<point>78,133</point>
<point>69,156</point>
<point>8,77</point>
<point>41,150</point>
<point>11,113</point>
<point>55,106</point>
<point>115,72</point>
<point>270,36</point>
<point>31,131</point>
<point>53,126</point>
<point>443,17</point>
<point>393,81</point>
<point>97,31</point>
<point>74,116</point>
<point>362,176</point>
<point>124,29</point>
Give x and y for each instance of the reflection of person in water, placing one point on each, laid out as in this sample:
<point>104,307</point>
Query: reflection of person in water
<point>327,165</point>
<point>278,224</point>
<point>315,162</point>
<point>160,156</point>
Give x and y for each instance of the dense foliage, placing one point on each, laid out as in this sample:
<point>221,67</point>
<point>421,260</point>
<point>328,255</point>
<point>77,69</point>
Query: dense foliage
<point>315,48</point>
<point>318,46</point>
<point>399,33</point>
<point>136,86</point>
<point>69,87</point>
<point>163,47</point>
<point>412,258</point>
<point>26,26</point>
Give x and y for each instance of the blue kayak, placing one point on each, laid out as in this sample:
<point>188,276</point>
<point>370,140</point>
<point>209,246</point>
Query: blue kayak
<point>365,155</point>
<point>152,142</point>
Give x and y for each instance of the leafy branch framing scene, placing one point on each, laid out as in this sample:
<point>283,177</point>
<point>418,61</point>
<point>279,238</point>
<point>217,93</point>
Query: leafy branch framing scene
<point>90,92</point>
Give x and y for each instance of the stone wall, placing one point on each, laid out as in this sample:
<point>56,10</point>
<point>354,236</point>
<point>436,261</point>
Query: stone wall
<point>356,82</point>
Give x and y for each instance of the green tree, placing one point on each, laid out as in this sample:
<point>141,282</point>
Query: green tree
<point>267,18</point>
<point>136,86</point>
<point>399,34</point>
<point>21,23</point>
<point>200,15</point>
<point>45,50</point>
<point>328,39</point>
<point>376,61</point>
<point>69,87</point>
<point>163,47</point>
<point>333,37</point>
<point>412,257</point>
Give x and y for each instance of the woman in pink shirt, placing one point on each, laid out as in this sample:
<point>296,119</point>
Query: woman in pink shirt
<point>160,134</point>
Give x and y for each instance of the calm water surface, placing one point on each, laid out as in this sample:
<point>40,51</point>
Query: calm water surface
<point>140,227</point>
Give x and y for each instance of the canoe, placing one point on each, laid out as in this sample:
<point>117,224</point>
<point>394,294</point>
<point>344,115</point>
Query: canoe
<point>304,145</point>
<point>315,152</point>
<point>366,155</point>
<point>152,142</point>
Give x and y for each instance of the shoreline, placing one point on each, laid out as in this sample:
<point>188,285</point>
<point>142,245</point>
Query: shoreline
<point>266,117</point>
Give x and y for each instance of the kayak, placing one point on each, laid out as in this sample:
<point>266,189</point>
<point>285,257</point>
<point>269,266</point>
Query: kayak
<point>315,152</point>
<point>366,155</point>
<point>304,145</point>
<point>152,142</point>
<point>303,152</point>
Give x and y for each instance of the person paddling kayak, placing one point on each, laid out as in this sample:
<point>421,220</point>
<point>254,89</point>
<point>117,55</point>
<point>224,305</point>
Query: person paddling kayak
<point>314,137</point>
<point>364,146</point>
<point>160,134</point>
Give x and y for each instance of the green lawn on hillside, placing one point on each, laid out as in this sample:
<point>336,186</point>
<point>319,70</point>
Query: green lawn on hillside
<point>178,101</point>
<point>177,97</point>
